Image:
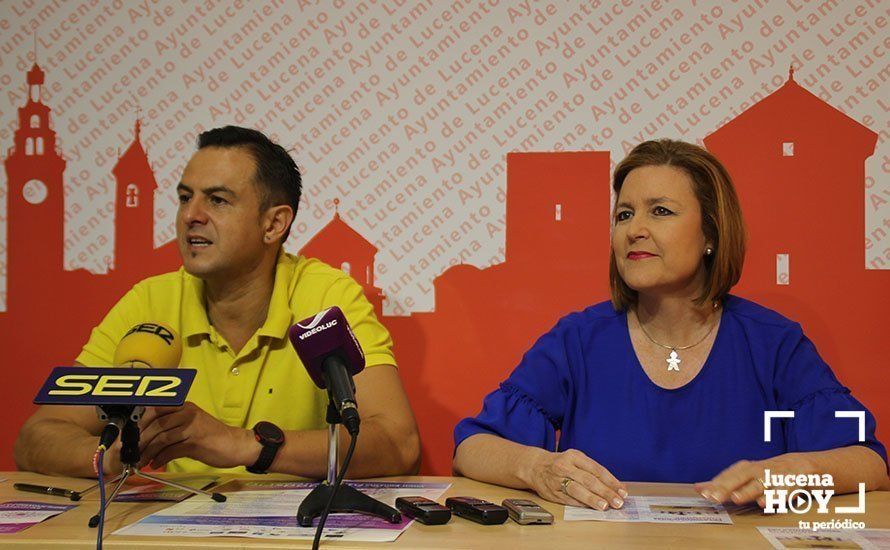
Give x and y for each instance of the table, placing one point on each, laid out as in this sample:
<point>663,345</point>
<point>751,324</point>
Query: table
<point>69,530</point>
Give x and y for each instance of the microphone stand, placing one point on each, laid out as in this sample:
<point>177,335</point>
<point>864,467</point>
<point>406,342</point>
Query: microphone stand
<point>130,458</point>
<point>348,498</point>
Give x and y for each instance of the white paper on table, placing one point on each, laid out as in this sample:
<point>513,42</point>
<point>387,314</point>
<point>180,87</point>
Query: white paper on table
<point>655,509</point>
<point>268,510</point>
<point>783,538</point>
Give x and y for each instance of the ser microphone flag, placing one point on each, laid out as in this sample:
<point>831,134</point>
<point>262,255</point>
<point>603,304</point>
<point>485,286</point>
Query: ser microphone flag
<point>152,350</point>
<point>116,386</point>
<point>121,394</point>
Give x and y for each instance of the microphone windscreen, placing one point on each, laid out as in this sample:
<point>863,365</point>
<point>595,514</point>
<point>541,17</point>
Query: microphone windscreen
<point>324,335</point>
<point>149,345</point>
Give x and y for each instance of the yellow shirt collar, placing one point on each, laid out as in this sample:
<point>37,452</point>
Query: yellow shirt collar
<point>279,319</point>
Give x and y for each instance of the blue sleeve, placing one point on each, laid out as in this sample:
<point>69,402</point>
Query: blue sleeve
<point>528,407</point>
<point>806,385</point>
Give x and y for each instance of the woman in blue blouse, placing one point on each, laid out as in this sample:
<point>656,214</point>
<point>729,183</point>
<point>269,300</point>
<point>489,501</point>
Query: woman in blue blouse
<point>670,380</point>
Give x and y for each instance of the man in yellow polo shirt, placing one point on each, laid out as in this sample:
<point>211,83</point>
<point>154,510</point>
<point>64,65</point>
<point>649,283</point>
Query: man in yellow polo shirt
<point>233,302</point>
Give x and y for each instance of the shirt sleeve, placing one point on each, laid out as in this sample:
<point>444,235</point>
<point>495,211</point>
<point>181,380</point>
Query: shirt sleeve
<point>806,385</point>
<point>99,349</point>
<point>375,340</point>
<point>528,407</point>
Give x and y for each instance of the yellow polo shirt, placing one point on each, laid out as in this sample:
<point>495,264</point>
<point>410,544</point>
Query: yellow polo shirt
<point>265,380</point>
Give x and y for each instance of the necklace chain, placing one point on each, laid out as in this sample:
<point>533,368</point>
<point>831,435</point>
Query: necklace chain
<point>673,360</point>
<point>676,348</point>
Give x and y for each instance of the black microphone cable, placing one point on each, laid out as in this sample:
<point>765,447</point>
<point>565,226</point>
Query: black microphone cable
<point>337,482</point>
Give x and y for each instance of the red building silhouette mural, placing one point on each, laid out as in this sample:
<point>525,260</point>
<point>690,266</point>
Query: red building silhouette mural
<point>340,245</point>
<point>50,311</point>
<point>799,167</point>
<point>804,200</point>
<point>36,207</point>
<point>557,258</point>
<point>134,214</point>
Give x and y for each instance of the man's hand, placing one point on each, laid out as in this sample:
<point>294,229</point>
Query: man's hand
<point>111,464</point>
<point>187,431</point>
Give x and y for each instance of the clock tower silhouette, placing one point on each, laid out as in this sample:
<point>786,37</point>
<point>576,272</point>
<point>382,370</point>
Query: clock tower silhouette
<point>36,213</point>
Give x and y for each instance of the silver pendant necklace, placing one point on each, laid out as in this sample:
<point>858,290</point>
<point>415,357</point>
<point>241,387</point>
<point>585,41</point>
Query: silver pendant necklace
<point>673,359</point>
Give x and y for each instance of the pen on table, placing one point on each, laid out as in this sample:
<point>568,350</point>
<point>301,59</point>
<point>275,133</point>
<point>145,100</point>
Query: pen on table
<point>44,490</point>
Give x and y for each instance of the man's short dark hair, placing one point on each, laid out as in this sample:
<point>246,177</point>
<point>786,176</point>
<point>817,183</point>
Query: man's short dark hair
<point>277,176</point>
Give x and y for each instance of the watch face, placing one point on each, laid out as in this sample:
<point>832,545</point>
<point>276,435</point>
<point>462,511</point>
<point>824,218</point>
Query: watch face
<point>268,432</point>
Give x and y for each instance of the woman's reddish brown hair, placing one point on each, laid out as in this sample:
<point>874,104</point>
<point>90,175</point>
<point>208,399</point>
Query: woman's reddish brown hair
<point>722,221</point>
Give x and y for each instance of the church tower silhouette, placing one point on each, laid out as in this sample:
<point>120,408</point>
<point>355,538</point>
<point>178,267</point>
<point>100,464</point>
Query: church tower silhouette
<point>134,205</point>
<point>36,209</point>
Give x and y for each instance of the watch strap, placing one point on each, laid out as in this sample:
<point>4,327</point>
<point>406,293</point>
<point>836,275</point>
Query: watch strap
<point>267,453</point>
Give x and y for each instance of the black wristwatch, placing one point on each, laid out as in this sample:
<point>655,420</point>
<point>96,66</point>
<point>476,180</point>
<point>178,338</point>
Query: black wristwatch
<point>271,438</point>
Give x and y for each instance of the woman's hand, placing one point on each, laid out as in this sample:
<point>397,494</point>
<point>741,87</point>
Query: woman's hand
<point>571,477</point>
<point>743,482</point>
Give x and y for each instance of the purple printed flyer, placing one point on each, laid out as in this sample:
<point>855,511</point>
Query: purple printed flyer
<point>19,514</point>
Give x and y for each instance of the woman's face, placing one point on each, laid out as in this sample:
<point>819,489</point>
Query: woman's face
<point>657,238</point>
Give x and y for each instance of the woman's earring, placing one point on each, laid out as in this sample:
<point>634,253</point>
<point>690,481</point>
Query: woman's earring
<point>709,251</point>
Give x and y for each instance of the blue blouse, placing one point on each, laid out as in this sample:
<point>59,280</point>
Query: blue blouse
<point>583,380</point>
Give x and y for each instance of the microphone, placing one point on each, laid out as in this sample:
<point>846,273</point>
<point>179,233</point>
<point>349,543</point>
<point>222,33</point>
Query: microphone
<point>149,345</point>
<point>332,356</point>
<point>146,345</point>
<point>120,396</point>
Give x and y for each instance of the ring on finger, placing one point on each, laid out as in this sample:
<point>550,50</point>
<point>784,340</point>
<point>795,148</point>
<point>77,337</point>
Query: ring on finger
<point>564,485</point>
<point>760,481</point>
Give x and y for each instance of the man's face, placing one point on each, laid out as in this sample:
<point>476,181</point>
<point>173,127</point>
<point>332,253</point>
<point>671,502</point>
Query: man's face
<point>218,224</point>
<point>657,237</point>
